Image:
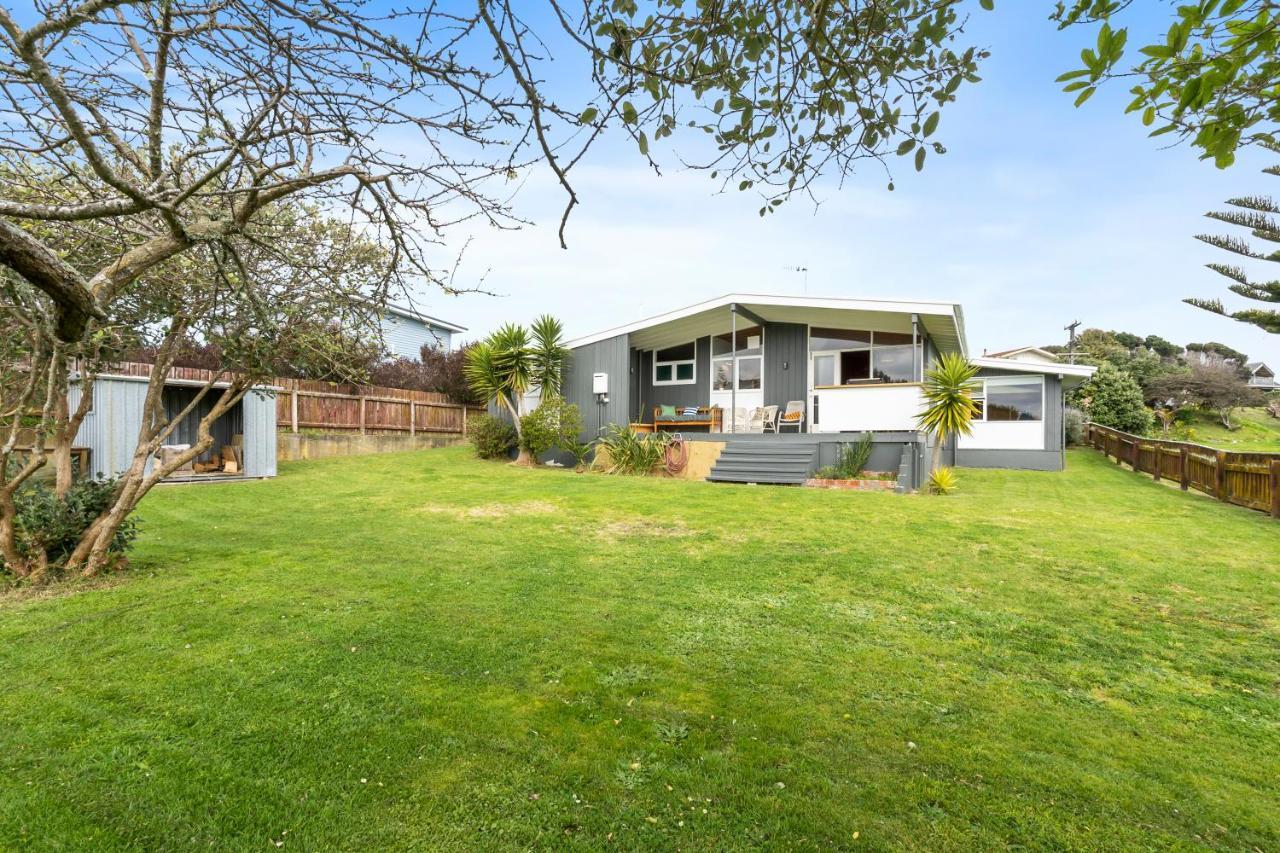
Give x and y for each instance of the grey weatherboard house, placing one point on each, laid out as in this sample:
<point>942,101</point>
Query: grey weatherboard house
<point>851,366</point>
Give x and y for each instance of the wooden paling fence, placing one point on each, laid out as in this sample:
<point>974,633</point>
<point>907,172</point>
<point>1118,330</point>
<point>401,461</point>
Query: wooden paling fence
<point>311,404</point>
<point>307,404</point>
<point>1246,479</point>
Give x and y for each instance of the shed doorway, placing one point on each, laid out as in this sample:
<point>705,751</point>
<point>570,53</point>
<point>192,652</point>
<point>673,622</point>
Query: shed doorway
<point>225,458</point>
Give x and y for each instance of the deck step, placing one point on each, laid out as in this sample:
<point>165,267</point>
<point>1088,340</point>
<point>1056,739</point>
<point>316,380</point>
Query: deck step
<point>765,463</point>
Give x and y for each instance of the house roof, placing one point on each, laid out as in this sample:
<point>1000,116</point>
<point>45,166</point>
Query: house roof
<point>1255,366</point>
<point>943,321</point>
<point>1071,374</point>
<point>1010,353</point>
<point>426,319</point>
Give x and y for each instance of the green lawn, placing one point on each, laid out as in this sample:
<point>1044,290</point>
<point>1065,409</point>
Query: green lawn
<point>425,651</point>
<point>1256,431</point>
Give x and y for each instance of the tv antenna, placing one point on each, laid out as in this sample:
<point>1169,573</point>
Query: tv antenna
<point>801,269</point>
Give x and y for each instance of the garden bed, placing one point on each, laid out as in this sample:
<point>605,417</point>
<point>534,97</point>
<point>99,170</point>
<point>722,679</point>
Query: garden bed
<point>872,483</point>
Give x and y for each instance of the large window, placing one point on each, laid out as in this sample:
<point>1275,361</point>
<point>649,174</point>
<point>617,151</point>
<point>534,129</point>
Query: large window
<point>1010,398</point>
<point>750,360</point>
<point>856,357</point>
<point>676,365</point>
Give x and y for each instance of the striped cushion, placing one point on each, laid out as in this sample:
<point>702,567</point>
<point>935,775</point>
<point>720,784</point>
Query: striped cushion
<point>690,411</point>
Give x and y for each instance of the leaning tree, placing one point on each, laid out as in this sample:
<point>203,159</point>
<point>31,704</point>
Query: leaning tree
<point>179,132</point>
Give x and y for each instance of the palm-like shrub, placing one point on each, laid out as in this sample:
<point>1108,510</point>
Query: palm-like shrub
<point>948,393</point>
<point>499,369</point>
<point>630,453</point>
<point>943,481</point>
<point>549,356</point>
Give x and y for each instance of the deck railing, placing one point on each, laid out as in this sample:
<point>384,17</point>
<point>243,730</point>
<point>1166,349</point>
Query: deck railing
<point>1246,479</point>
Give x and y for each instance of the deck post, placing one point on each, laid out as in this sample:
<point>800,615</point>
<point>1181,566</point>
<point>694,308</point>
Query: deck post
<point>733,367</point>
<point>1275,488</point>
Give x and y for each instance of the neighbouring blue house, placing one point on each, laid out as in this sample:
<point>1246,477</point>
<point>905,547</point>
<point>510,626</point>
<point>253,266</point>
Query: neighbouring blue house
<point>405,331</point>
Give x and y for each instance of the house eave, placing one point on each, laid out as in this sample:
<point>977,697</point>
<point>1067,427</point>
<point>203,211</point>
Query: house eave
<point>944,321</point>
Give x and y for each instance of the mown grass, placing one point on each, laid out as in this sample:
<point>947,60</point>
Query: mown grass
<point>424,651</point>
<point>1255,430</point>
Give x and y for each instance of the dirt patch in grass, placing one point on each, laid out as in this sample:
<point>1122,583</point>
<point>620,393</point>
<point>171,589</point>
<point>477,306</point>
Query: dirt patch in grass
<point>630,527</point>
<point>495,510</point>
<point>17,594</point>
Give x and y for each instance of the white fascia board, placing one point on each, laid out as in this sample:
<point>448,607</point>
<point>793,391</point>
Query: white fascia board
<point>426,319</point>
<point>1079,371</point>
<point>900,306</point>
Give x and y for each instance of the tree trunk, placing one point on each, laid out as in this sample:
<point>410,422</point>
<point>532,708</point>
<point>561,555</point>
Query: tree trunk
<point>523,457</point>
<point>935,461</point>
<point>13,561</point>
<point>62,449</point>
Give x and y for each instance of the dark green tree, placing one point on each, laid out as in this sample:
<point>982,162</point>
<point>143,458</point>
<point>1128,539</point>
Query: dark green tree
<point>1113,398</point>
<point>1256,214</point>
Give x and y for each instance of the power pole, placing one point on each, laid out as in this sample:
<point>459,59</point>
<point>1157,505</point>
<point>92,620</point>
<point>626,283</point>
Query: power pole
<point>1070,328</point>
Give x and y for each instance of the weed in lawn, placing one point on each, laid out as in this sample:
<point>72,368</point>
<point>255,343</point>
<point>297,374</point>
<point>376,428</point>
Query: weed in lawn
<point>671,731</point>
<point>626,676</point>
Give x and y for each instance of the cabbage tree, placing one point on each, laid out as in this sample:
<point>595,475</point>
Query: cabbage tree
<point>948,393</point>
<point>500,369</point>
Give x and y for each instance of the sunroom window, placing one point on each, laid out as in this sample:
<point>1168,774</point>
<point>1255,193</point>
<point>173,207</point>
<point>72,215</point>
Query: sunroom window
<point>1010,398</point>
<point>857,357</point>
<point>750,360</point>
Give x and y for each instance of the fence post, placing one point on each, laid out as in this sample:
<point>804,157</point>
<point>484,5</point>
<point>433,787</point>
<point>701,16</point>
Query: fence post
<point>464,420</point>
<point>1159,449</point>
<point>1136,455</point>
<point>1275,488</point>
<point>362,415</point>
<point>1184,478</point>
<point>1220,470</point>
<point>412,411</point>
<point>293,409</point>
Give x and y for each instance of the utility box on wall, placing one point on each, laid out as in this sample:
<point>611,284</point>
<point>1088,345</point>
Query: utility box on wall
<point>599,383</point>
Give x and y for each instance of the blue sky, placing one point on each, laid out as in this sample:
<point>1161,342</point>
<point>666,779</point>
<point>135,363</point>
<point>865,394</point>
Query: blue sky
<point>1039,214</point>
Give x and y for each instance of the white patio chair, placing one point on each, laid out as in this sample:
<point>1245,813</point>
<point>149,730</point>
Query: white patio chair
<point>741,421</point>
<point>768,418</point>
<point>793,416</point>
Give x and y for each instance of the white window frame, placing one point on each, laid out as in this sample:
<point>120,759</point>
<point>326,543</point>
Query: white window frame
<point>981,395</point>
<point>675,368</point>
<point>737,374</point>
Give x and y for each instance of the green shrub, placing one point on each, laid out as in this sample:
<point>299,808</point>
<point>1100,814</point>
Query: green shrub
<point>493,438</point>
<point>1073,423</point>
<point>48,527</point>
<point>555,424</point>
<point>630,453</point>
<point>1114,399</point>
